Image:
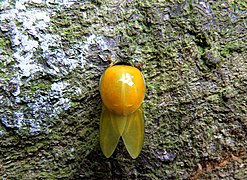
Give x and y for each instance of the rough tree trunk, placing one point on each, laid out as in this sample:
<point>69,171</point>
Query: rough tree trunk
<point>192,55</point>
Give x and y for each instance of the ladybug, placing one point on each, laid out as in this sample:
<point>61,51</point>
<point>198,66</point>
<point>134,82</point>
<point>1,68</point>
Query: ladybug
<point>122,90</point>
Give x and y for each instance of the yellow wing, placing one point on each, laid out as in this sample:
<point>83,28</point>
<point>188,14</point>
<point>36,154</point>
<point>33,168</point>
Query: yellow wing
<point>133,135</point>
<point>111,128</point>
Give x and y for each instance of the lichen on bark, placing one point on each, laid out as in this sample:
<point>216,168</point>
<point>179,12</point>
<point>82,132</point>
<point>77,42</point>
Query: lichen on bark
<point>193,58</point>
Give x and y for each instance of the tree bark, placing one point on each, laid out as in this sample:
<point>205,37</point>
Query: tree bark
<point>193,58</point>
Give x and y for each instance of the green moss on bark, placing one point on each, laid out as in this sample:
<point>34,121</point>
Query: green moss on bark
<point>193,61</point>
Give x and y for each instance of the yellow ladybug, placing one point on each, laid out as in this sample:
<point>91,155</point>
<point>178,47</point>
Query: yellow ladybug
<point>122,90</point>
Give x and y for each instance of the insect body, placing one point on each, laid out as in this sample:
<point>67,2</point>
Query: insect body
<point>122,90</point>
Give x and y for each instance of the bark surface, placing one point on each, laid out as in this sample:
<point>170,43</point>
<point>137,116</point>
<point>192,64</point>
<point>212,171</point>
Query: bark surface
<point>192,55</point>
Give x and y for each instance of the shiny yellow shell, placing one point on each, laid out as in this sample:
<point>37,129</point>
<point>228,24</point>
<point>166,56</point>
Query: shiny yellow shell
<point>122,89</point>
